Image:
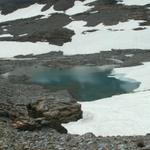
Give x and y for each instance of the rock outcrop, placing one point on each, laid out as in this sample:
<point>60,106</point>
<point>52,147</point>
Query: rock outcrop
<point>43,109</point>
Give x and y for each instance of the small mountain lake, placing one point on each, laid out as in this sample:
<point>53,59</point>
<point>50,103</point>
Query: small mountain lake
<point>83,83</point>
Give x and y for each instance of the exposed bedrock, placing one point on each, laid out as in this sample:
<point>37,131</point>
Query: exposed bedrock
<point>52,28</point>
<point>31,116</point>
<point>8,6</point>
<point>34,29</point>
<point>30,107</point>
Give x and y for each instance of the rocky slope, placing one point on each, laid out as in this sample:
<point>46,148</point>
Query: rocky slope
<point>31,115</point>
<point>52,28</point>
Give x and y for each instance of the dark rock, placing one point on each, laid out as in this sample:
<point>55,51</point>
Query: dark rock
<point>30,124</point>
<point>147,147</point>
<point>36,29</point>
<point>24,56</point>
<point>62,109</point>
<point>140,143</point>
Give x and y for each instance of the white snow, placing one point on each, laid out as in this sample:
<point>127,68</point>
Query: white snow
<point>126,114</point>
<point>35,10</point>
<point>101,40</point>
<point>5,29</point>
<point>28,12</point>
<point>104,39</point>
<point>135,2</point>
<point>129,55</point>
<point>79,7</point>
<point>23,34</point>
<point>140,73</point>
<point>6,35</point>
<point>10,49</point>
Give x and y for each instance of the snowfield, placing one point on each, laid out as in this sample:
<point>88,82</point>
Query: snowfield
<point>139,73</point>
<point>126,114</point>
<point>120,36</point>
<point>79,7</point>
<point>10,49</point>
<point>36,9</point>
<point>28,12</point>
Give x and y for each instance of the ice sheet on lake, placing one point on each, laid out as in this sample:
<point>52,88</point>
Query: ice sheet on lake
<point>36,9</point>
<point>28,12</point>
<point>124,37</point>
<point>126,114</point>
<point>79,7</point>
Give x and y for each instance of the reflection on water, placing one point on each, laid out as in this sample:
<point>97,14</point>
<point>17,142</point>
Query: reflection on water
<point>84,83</point>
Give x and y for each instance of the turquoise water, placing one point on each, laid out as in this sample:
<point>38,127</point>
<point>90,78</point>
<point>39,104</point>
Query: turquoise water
<point>83,83</point>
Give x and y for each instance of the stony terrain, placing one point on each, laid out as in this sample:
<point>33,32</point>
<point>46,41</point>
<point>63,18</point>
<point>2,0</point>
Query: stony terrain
<point>31,115</point>
<point>53,30</point>
<point>120,58</point>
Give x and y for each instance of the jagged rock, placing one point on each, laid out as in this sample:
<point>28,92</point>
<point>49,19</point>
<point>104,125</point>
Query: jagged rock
<point>63,109</point>
<point>31,107</point>
<point>31,124</point>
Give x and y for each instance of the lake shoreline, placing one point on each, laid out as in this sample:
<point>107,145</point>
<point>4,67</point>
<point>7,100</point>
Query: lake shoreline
<point>16,96</point>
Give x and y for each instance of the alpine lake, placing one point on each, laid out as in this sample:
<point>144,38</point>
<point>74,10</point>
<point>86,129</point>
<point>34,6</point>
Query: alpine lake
<point>85,83</point>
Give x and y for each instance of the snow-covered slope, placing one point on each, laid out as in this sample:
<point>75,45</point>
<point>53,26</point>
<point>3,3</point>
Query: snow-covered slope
<point>124,33</point>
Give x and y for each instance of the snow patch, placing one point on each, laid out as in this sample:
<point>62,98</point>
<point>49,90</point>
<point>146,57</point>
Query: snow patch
<point>135,2</point>
<point>28,12</point>
<point>80,7</point>
<point>126,114</point>
<point>103,39</point>
<point>140,73</point>
<point>21,35</point>
<point>11,49</point>
<point>6,35</point>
